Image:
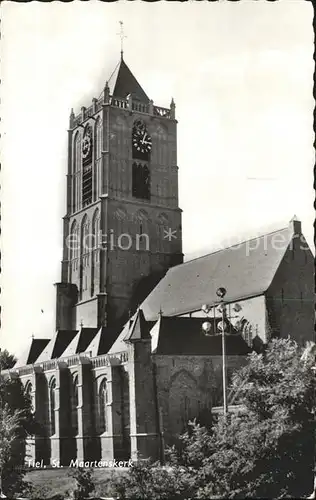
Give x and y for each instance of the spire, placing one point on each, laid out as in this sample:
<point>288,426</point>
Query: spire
<point>139,329</point>
<point>123,83</point>
<point>295,225</point>
<point>106,95</point>
<point>122,36</point>
<point>71,118</point>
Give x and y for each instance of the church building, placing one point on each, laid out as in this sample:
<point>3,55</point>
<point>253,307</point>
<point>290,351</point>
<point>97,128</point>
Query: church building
<point>129,362</point>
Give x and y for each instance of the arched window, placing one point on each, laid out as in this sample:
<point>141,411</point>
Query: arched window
<point>87,181</point>
<point>74,242</point>
<point>142,236</point>
<point>140,181</point>
<point>52,406</point>
<point>74,403</point>
<point>84,253</point>
<point>99,138</point>
<point>162,226</point>
<point>29,393</point>
<point>77,173</point>
<point>103,400</point>
<point>85,239</point>
<point>96,242</point>
<point>247,332</point>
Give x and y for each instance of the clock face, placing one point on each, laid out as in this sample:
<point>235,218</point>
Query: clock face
<point>142,140</point>
<point>86,145</point>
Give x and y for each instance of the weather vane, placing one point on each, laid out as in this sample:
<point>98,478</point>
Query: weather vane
<point>122,36</point>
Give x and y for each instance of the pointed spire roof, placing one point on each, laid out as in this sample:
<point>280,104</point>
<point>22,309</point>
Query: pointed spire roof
<point>32,352</point>
<point>81,341</point>
<point>101,342</point>
<point>155,333</point>
<point>57,345</point>
<point>139,329</point>
<point>122,83</point>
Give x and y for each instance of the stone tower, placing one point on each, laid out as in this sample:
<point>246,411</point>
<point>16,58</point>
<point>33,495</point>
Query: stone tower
<point>122,229</point>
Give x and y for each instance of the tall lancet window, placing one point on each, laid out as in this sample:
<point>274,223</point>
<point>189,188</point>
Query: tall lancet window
<point>29,394</point>
<point>74,404</point>
<point>95,244</point>
<point>87,166</point>
<point>140,181</point>
<point>98,154</point>
<point>85,248</point>
<point>76,186</point>
<point>73,248</point>
<point>52,405</point>
<point>103,401</point>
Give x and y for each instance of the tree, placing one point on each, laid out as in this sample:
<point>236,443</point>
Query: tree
<point>7,360</point>
<point>266,448</point>
<point>84,480</point>
<point>9,425</point>
<point>16,407</point>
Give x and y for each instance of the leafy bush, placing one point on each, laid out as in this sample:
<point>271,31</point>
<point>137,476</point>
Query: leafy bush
<point>265,450</point>
<point>148,480</point>
<point>14,404</point>
<point>85,484</point>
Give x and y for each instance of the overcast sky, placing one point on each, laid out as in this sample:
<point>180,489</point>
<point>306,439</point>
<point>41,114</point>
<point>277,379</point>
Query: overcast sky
<point>241,75</point>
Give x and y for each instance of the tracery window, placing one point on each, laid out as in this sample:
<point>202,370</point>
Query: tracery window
<point>103,401</point>
<point>29,393</point>
<point>74,404</point>
<point>52,406</point>
<point>77,174</point>
<point>247,332</point>
<point>87,166</point>
<point>141,181</point>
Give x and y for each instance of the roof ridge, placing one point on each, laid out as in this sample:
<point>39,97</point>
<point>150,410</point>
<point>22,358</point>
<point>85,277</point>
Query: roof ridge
<point>230,246</point>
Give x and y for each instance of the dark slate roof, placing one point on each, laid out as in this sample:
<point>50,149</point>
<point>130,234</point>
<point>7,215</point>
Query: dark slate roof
<point>138,329</point>
<point>32,352</point>
<point>119,345</point>
<point>101,342</point>
<point>185,336</point>
<point>245,270</point>
<point>57,345</point>
<point>122,83</point>
<point>81,341</point>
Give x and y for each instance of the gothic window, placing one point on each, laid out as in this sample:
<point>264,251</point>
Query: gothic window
<point>95,244</point>
<point>162,226</point>
<point>84,248</point>
<point>52,406</point>
<point>76,173</point>
<point>73,241</point>
<point>141,181</point>
<point>85,239</point>
<point>74,404</point>
<point>247,331</point>
<point>103,400</point>
<point>87,166</point>
<point>98,138</point>
<point>29,393</point>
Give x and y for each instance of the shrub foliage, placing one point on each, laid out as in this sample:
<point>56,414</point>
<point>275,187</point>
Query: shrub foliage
<point>265,450</point>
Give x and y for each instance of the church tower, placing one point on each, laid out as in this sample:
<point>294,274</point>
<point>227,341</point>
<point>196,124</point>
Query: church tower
<point>122,229</point>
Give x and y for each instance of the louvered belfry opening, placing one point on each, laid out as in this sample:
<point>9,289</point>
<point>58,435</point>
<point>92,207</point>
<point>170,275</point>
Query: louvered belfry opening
<point>87,185</point>
<point>87,167</point>
<point>141,181</point>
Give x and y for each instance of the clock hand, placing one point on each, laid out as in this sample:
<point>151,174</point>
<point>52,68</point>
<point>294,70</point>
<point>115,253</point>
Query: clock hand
<point>144,138</point>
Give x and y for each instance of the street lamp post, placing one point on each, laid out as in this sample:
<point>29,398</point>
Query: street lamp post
<point>221,292</point>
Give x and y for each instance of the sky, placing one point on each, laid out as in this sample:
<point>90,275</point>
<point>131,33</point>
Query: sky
<point>241,75</point>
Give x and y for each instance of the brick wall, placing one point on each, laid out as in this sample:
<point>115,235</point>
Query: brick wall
<point>187,386</point>
<point>290,298</point>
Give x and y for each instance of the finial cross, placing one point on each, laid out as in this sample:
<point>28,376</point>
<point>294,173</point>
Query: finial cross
<point>122,36</point>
